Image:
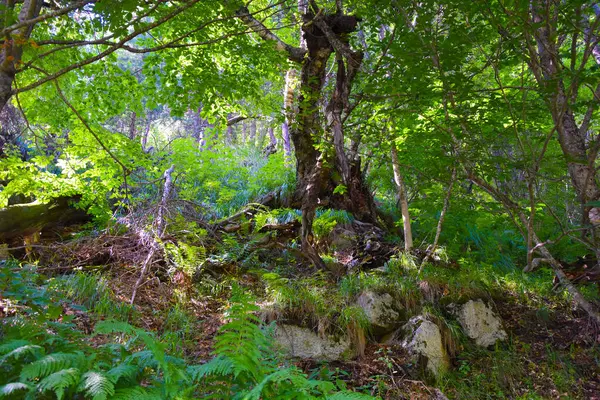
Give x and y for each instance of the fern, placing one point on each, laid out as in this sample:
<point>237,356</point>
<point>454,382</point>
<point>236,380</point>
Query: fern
<point>12,345</point>
<point>22,351</point>
<point>297,380</point>
<point>143,359</point>
<point>51,364</point>
<point>243,352</point>
<point>59,381</point>
<point>108,327</point>
<point>346,395</point>
<point>135,393</point>
<point>241,340</point>
<point>218,366</point>
<point>11,388</point>
<point>122,371</point>
<point>97,385</point>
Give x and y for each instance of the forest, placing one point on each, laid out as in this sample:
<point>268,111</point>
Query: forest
<point>299,199</point>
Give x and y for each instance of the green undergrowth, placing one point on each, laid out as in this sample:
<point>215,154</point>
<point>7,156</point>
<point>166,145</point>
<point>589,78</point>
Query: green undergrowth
<point>515,370</point>
<point>47,352</point>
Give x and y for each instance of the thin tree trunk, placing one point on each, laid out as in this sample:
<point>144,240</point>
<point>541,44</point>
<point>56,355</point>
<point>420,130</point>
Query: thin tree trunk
<point>262,134</point>
<point>132,130</point>
<point>272,138</point>
<point>253,131</point>
<point>440,224</point>
<point>288,109</point>
<point>408,240</point>
<point>146,133</point>
<point>514,209</point>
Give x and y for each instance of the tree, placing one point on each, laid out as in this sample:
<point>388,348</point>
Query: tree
<point>319,182</point>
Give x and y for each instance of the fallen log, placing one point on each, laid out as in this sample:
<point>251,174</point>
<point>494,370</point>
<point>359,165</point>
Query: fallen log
<point>26,219</point>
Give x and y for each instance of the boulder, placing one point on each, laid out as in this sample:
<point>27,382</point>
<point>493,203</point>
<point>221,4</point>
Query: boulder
<point>424,341</point>
<point>304,343</point>
<point>480,323</point>
<point>381,311</point>
<point>343,238</point>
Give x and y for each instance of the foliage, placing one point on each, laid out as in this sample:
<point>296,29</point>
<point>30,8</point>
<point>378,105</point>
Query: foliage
<point>244,366</point>
<point>38,356</point>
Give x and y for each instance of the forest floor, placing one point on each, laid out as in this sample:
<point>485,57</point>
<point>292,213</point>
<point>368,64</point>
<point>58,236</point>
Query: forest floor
<point>552,350</point>
<point>551,356</point>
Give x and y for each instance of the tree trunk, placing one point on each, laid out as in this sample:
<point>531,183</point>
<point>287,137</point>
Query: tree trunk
<point>253,130</point>
<point>316,182</point>
<point>408,241</point>
<point>26,219</point>
<point>272,138</point>
<point>132,130</point>
<point>549,74</point>
<point>288,103</point>
<point>12,50</point>
<point>438,231</point>
<point>514,209</point>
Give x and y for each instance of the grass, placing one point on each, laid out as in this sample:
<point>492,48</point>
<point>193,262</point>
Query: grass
<point>92,291</point>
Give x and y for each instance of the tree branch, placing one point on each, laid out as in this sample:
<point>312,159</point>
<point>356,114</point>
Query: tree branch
<point>294,53</point>
<point>107,52</point>
<point>45,16</point>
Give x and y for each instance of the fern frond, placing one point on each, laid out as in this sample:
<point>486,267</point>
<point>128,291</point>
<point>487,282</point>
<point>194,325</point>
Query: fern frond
<point>111,326</point>
<point>59,381</point>
<point>12,345</point>
<point>347,395</point>
<point>143,359</point>
<point>97,385</point>
<point>122,371</point>
<point>218,366</point>
<point>297,379</point>
<point>22,351</point>
<point>52,363</point>
<point>13,387</point>
<point>135,393</point>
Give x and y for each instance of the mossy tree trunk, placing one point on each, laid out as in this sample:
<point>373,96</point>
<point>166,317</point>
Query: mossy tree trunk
<point>318,177</point>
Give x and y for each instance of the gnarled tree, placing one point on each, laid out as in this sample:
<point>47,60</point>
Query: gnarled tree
<point>317,178</point>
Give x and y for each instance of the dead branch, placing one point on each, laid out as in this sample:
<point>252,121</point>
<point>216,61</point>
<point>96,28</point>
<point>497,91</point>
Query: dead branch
<point>160,230</point>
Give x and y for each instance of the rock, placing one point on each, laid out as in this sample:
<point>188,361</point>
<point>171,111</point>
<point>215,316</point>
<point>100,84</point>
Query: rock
<point>304,343</point>
<point>380,310</point>
<point>342,238</point>
<point>424,339</point>
<point>480,323</point>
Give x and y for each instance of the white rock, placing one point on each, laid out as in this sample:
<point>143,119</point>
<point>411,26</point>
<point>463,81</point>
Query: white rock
<point>380,311</point>
<point>480,323</point>
<point>304,343</point>
<point>425,339</point>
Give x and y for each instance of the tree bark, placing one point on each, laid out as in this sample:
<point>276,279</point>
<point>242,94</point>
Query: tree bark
<point>288,104</point>
<point>26,219</point>
<point>132,122</point>
<point>324,34</point>
<point>408,240</point>
<point>12,50</point>
<point>438,231</point>
<point>543,62</point>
